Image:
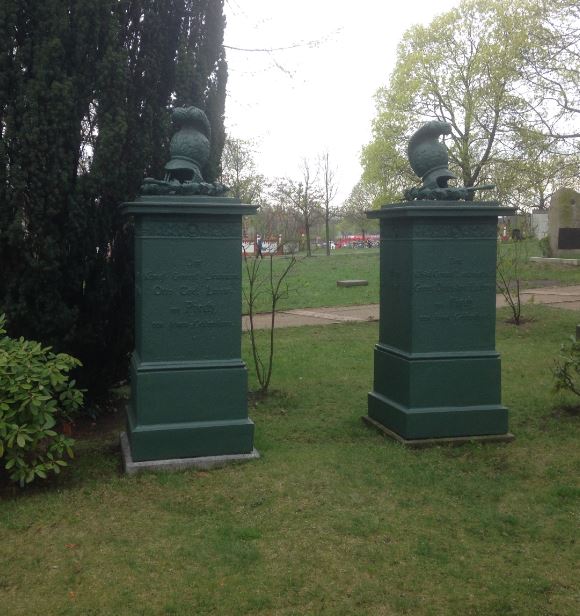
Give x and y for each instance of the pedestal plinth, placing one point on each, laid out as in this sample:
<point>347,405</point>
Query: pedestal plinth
<point>188,381</point>
<point>437,374</point>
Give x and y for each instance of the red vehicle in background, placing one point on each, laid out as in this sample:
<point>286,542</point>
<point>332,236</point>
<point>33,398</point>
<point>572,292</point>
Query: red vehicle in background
<point>358,241</point>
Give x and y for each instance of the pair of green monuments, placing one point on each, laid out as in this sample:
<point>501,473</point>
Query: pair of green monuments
<point>437,374</point>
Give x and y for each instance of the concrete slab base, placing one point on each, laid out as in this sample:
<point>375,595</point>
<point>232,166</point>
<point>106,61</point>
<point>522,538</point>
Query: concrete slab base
<point>352,283</point>
<point>202,463</point>
<point>322,316</point>
<point>422,443</point>
<point>556,260</point>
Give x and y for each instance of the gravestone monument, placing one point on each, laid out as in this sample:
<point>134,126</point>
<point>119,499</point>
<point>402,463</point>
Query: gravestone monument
<point>188,382</point>
<point>564,222</point>
<point>437,375</point>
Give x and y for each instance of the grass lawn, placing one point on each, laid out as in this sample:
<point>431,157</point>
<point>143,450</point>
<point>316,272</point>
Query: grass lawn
<point>333,519</point>
<point>312,282</point>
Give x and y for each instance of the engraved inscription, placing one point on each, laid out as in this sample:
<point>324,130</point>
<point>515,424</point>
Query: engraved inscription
<point>192,308</point>
<point>195,297</point>
<point>152,227</point>
<point>451,289</point>
<point>189,290</point>
<point>437,231</point>
<point>155,275</point>
<point>429,230</point>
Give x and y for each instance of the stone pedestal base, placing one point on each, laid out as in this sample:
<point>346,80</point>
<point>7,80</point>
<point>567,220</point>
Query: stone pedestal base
<point>423,443</point>
<point>188,381</point>
<point>435,395</point>
<point>201,463</point>
<point>188,409</point>
<point>437,375</point>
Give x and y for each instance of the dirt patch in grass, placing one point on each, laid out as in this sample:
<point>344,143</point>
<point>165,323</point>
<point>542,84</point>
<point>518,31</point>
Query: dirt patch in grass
<point>86,428</point>
<point>110,418</point>
<point>523,321</point>
<point>567,410</point>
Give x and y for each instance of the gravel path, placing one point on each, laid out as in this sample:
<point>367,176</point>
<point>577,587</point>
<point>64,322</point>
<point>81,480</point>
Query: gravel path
<point>567,298</point>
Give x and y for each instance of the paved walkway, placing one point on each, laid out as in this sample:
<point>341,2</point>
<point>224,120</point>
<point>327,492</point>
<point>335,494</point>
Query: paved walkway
<point>567,298</point>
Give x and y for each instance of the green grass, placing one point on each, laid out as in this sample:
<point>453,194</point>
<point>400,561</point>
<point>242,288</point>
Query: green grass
<point>539,274</point>
<point>312,282</point>
<point>333,519</point>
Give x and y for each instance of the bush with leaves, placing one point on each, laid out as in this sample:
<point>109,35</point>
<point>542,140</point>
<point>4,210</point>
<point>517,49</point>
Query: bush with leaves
<point>545,247</point>
<point>36,394</point>
<point>567,368</point>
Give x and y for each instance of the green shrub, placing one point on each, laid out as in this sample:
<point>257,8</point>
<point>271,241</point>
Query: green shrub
<point>35,394</point>
<point>567,367</point>
<point>545,247</point>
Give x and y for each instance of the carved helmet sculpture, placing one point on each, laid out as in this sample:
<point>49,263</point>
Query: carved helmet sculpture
<point>429,157</point>
<point>189,149</point>
<point>189,146</point>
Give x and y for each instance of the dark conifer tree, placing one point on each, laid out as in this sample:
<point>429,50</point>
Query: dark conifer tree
<point>85,87</point>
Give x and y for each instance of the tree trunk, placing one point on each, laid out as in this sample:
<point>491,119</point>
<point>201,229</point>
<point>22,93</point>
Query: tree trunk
<point>327,230</point>
<point>307,233</point>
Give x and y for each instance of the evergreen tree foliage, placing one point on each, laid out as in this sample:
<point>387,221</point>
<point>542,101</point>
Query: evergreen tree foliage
<point>85,87</point>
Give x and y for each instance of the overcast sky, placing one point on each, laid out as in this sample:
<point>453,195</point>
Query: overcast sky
<point>297,102</point>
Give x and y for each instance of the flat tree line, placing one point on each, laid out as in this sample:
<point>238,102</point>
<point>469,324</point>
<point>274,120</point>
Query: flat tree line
<point>300,208</point>
<point>85,88</point>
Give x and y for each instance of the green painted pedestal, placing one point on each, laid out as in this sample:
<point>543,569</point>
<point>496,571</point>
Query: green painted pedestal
<point>188,381</point>
<point>436,372</point>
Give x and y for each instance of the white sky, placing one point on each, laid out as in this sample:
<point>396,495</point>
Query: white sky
<point>297,103</point>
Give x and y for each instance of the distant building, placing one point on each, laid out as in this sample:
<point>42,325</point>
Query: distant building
<point>540,223</point>
<point>564,219</point>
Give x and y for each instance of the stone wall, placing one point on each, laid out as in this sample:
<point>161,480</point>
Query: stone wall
<point>564,222</point>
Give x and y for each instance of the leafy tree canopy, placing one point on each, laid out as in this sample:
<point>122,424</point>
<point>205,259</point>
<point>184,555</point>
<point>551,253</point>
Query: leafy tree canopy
<point>468,68</point>
<point>362,198</point>
<point>239,171</point>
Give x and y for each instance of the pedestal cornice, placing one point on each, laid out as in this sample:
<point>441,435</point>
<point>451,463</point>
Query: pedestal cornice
<point>171,204</point>
<point>441,209</point>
